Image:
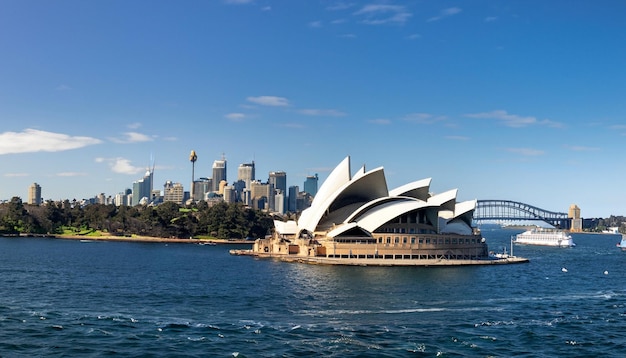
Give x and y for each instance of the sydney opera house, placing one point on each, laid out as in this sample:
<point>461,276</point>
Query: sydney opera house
<point>356,219</point>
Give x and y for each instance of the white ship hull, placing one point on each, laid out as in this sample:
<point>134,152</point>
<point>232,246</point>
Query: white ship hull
<point>545,237</point>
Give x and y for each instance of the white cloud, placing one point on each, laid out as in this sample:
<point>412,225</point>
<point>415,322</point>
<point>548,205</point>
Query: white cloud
<point>423,118</point>
<point>16,175</point>
<point>445,13</point>
<point>491,18</point>
<point>456,137</point>
<point>292,125</point>
<point>348,36</point>
<point>269,101</point>
<point>315,24</point>
<point>380,121</point>
<point>133,137</point>
<point>414,36</point>
<point>379,14</point>
<point>511,120</point>
<point>124,166</point>
<point>134,125</point>
<point>235,117</point>
<point>340,6</point>
<point>237,2</point>
<point>32,140</point>
<point>71,174</point>
<point>121,165</point>
<point>322,112</point>
<point>526,151</point>
<point>579,148</point>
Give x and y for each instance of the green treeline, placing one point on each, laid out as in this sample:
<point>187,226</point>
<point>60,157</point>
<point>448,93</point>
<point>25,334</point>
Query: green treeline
<point>222,220</point>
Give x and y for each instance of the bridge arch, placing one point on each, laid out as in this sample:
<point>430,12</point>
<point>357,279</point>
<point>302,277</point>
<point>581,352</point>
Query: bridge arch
<point>508,210</point>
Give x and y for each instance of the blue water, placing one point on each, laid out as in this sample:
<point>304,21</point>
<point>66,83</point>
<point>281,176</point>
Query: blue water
<point>72,298</point>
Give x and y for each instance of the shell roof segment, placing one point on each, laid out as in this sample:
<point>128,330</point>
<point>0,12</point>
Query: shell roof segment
<point>362,202</point>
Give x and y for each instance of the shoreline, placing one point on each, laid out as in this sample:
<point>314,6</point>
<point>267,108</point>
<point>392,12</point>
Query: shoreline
<point>135,238</point>
<point>380,262</point>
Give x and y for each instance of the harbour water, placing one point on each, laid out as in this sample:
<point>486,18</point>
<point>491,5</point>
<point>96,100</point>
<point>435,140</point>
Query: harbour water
<point>98,299</point>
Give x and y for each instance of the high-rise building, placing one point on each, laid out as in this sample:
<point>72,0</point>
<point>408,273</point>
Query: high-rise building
<point>101,199</point>
<point>279,202</point>
<point>142,188</point>
<point>200,188</point>
<point>278,183</point>
<point>173,192</point>
<point>278,180</point>
<point>574,214</point>
<point>219,173</point>
<point>245,172</point>
<point>34,194</point>
<point>258,190</point>
<point>292,206</point>
<point>229,194</point>
<point>310,184</point>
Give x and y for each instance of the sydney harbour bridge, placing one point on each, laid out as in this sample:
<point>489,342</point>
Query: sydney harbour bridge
<point>500,211</point>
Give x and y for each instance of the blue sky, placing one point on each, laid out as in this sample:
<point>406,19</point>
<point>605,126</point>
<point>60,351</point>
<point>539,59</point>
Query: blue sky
<point>515,100</point>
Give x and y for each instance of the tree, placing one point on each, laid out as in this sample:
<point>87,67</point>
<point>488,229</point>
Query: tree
<point>13,219</point>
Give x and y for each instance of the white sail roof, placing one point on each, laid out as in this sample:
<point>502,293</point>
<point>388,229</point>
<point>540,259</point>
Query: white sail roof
<point>346,202</point>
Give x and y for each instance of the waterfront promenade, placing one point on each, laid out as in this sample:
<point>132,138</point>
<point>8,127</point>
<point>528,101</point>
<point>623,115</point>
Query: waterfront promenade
<point>136,238</point>
<point>320,260</point>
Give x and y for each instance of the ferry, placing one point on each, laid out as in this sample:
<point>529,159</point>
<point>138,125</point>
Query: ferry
<point>622,244</point>
<point>544,237</point>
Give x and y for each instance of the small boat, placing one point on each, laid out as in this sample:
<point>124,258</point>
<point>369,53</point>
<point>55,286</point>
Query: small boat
<point>622,243</point>
<point>545,237</point>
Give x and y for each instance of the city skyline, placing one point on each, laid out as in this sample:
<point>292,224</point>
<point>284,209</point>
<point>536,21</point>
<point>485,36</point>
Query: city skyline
<point>519,101</point>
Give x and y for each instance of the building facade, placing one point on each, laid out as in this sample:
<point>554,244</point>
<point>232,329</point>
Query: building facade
<point>219,173</point>
<point>142,188</point>
<point>310,184</point>
<point>246,173</point>
<point>356,217</point>
<point>577,221</point>
<point>173,192</point>
<point>34,194</point>
<point>278,184</point>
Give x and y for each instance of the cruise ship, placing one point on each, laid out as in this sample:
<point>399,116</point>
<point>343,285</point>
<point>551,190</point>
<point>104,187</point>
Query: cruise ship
<point>544,237</point>
<point>357,220</point>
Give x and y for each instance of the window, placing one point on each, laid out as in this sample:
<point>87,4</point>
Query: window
<point>404,240</point>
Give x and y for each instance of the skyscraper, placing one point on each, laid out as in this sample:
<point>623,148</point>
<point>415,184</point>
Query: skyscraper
<point>173,192</point>
<point>142,188</point>
<point>310,184</point>
<point>200,188</point>
<point>278,183</point>
<point>245,172</point>
<point>219,173</point>
<point>34,194</point>
<point>292,205</point>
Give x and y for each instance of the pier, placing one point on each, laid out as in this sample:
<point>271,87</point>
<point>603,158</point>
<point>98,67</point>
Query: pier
<point>321,260</point>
